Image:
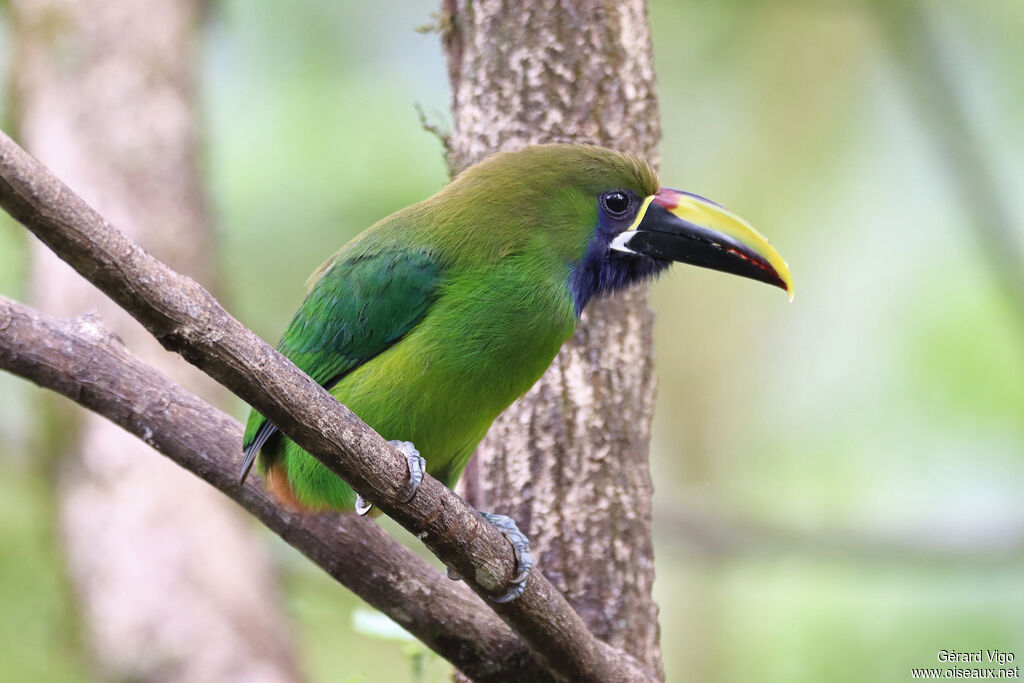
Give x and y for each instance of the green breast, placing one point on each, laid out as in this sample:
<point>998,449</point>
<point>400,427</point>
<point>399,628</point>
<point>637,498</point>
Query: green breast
<point>488,336</point>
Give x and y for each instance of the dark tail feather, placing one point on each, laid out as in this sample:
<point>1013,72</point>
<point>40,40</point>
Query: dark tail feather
<point>266,431</point>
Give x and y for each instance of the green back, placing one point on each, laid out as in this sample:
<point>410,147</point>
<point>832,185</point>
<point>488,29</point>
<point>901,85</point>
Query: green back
<point>355,310</point>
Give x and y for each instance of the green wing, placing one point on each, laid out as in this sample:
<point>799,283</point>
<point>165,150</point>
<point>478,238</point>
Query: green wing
<point>356,310</point>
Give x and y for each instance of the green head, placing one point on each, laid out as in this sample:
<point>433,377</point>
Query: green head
<point>603,215</point>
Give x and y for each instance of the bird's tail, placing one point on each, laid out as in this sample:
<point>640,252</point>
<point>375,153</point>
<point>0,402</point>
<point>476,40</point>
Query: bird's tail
<point>252,448</point>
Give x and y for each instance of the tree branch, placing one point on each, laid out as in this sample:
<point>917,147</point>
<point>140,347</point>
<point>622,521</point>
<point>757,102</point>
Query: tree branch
<point>186,319</point>
<point>83,361</point>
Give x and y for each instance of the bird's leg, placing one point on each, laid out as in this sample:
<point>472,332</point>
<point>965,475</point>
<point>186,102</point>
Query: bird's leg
<point>417,467</point>
<point>520,548</point>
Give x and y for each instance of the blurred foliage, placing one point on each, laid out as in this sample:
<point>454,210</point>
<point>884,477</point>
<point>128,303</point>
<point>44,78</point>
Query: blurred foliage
<point>871,434</point>
<point>38,640</point>
<point>334,642</point>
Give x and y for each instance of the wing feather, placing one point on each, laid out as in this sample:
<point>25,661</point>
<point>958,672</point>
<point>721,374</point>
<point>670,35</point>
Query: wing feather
<point>355,310</point>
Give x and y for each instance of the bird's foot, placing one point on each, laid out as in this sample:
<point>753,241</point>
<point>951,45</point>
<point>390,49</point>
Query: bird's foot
<point>520,548</point>
<point>362,505</point>
<point>417,468</point>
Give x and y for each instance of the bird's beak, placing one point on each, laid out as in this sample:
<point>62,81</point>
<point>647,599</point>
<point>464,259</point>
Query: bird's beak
<point>679,226</point>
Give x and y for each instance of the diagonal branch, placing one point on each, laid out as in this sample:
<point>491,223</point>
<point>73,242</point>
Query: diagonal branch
<point>186,319</point>
<point>83,361</point>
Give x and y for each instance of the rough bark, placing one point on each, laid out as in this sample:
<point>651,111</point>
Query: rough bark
<point>103,93</point>
<point>569,461</point>
<point>354,550</point>
<point>185,318</point>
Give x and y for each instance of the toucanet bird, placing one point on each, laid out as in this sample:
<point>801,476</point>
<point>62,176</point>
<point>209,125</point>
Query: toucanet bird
<point>435,319</point>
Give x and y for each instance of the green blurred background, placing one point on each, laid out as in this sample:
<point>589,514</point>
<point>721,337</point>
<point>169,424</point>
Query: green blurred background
<point>838,480</point>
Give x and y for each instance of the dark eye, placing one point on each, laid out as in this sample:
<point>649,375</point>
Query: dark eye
<point>616,204</point>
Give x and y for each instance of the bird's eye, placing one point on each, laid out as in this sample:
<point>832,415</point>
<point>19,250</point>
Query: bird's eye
<point>616,203</point>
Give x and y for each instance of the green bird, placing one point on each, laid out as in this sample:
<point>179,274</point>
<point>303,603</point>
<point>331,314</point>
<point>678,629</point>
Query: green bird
<point>434,320</point>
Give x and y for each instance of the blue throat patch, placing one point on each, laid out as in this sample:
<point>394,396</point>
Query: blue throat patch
<point>601,271</point>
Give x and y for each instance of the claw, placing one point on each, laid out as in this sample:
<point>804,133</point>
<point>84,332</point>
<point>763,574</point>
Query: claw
<point>452,574</point>
<point>417,465</point>
<point>520,548</point>
<point>417,468</point>
<point>362,505</point>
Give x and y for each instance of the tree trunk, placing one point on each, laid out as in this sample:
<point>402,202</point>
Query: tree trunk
<point>173,586</point>
<point>569,461</point>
